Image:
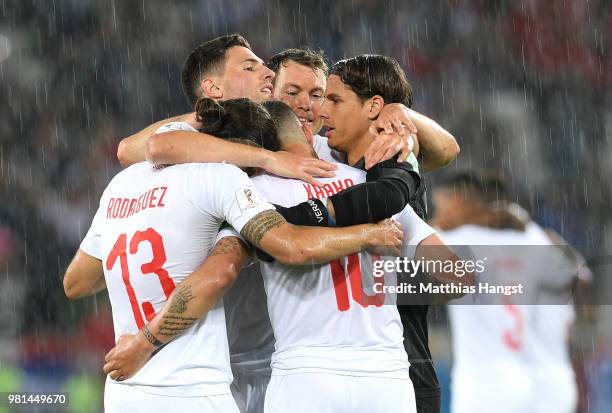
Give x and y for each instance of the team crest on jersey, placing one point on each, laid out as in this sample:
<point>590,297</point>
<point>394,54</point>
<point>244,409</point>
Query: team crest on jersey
<point>247,198</point>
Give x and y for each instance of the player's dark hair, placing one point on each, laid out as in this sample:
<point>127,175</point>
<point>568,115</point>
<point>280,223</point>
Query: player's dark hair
<point>488,186</point>
<point>288,126</point>
<point>204,59</point>
<point>238,120</point>
<point>280,112</point>
<point>369,75</point>
<point>314,59</point>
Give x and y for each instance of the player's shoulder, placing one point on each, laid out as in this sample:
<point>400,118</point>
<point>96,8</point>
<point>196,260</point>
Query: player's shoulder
<point>132,172</point>
<point>470,234</point>
<point>216,170</point>
<point>465,234</point>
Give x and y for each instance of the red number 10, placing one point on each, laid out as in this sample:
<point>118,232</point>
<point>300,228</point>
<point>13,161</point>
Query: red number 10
<point>355,279</point>
<point>154,267</point>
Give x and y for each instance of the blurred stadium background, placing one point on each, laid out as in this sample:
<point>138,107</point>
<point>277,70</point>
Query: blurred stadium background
<point>525,86</point>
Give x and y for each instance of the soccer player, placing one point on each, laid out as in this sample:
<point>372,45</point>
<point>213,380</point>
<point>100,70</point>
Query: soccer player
<point>221,68</point>
<point>508,357</point>
<point>153,228</point>
<point>352,98</point>
<point>205,75</point>
<point>300,82</point>
<point>349,355</point>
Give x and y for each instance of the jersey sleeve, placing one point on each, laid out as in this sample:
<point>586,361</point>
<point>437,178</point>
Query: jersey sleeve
<point>229,232</point>
<point>415,229</point>
<point>226,192</point>
<point>174,126</point>
<point>91,243</point>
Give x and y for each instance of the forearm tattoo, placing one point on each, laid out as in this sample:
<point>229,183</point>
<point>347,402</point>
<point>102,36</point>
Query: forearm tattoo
<point>228,245</point>
<point>174,323</point>
<point>261,223</point>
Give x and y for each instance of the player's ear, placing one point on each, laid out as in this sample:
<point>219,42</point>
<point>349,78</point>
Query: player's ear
<point>210,89</point>
<point>374,106</point>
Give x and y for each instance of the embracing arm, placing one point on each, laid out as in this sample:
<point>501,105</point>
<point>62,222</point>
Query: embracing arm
<point>84,276</point>
<point>189,302</point>
<point>181,146</point>
<point>131,150</point>
<point>295,245</point>
<point>434,249</point>
<point>438,147</point>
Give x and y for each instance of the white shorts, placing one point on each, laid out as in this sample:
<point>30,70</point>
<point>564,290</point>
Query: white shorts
<point>249,391</point>
<point>121,398</point>
<point>333,393</point>
<point>504,390</point>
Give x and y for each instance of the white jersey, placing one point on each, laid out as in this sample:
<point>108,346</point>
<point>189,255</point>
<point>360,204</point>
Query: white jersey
<point>327,318</point>
<point>153,228</point>
<point>324,152</point>
<point>495,347</point>
<point>485,334</point>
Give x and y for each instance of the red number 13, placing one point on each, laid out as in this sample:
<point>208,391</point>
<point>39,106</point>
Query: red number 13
<point>154,267</point>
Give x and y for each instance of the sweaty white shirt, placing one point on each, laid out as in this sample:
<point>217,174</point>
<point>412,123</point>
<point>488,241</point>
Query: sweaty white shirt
<point>152,229</point>
<point>327,317</point>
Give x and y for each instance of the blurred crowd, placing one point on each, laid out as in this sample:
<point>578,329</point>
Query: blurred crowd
<point>524,86</point>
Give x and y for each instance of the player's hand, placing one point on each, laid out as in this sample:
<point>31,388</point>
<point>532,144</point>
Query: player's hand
<point>386,238</point>
<point>386,146</point>
<point>299,167</point>
<point>394,118</point>
<point>128,356</point>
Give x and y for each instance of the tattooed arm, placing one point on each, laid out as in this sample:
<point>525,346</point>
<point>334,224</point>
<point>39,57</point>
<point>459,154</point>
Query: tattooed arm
<point>189,302</point>
<point>294,245</point>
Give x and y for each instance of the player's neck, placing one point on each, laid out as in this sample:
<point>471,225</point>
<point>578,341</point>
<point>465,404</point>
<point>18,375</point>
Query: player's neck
<point>355,153</point>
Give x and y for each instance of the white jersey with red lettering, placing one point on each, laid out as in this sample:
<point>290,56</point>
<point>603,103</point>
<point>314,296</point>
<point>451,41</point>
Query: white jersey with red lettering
<point>555,381</point>
<point>492,344</point>
<point>153,228</point>
<point>327,318</point>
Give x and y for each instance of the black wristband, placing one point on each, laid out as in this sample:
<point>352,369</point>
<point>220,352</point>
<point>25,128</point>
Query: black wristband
<point>150,337</point>
<point>311,213</point>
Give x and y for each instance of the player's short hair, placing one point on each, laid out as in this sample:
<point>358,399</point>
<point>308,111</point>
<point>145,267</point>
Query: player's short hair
<point>314,59</point>
<point>288,126</point>
<point>369,75</point>
<point>280,113</point>
<point>487,186</point>
<point>209,57</point>
<point>238,120</point>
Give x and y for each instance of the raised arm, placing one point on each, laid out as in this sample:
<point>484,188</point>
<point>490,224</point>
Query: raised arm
<point>181,146</point>
<point>436,145</point>
<point>84,276</point>
<point>131,150</point>
<point>293,245</point>
<point>189,302</point>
